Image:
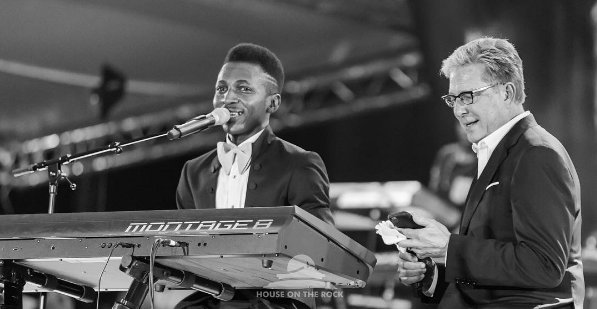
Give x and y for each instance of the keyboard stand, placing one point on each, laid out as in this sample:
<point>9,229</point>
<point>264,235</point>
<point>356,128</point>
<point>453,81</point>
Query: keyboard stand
<point>14,277</point>
<point>139,270</point>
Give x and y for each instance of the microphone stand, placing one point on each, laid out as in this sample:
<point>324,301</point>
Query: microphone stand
<point>55,174</point>
<point>115,147</point>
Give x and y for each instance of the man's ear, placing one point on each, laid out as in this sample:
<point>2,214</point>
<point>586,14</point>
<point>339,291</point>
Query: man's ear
<point>510,92</point>
<point>273,103</point>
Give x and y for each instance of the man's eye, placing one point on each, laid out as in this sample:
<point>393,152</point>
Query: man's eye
<point>221,89</point>
<point>244,88</point>
<point>466,96</point>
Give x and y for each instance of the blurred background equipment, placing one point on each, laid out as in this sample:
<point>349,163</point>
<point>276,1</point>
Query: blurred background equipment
<point>109,92</point>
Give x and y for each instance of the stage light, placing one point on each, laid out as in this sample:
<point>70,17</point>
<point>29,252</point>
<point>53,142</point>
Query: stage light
<point>109,92</point>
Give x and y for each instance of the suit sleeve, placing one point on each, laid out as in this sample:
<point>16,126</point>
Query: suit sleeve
<point>184,196</point>
<point>309,187</point>
<point>542,201</point>
<point>440,287</point>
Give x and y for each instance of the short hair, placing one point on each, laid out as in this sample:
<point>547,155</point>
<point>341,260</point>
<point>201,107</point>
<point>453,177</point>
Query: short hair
<point>266,59</point>
<point>501,60</point>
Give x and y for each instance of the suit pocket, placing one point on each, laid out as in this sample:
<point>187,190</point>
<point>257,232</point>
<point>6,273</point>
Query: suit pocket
<point>491,185</point>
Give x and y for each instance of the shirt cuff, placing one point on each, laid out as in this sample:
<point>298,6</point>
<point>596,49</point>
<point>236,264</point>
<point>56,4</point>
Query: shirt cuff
<point>429,292</point>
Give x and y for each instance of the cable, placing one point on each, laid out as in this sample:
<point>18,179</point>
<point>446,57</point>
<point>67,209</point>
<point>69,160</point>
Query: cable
<point>152,255</point>
<point>99,282</point>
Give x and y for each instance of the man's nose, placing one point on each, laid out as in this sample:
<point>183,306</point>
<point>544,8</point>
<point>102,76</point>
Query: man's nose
<point>459,108</point>
<point>229,97</point>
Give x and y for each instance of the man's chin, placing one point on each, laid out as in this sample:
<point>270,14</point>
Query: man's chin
<point>233,129</point>
<point>473,139</point>
<point>230,128</point>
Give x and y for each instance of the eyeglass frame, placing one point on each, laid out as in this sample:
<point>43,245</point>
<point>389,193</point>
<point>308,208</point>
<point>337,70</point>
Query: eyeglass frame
<point>471,92</point>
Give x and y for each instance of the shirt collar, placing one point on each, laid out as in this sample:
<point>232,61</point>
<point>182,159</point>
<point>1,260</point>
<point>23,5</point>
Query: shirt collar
<point>492,140</point>
<point>249,140</point>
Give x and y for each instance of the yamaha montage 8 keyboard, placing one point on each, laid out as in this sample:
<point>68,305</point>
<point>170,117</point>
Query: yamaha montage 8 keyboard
<point>270,247</point>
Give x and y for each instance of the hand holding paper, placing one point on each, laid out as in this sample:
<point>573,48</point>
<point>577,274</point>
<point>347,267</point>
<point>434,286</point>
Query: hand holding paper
<point>389,234</point>
<point>429,241</point>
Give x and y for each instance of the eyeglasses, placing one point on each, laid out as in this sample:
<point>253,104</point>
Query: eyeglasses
<point>465,97</point>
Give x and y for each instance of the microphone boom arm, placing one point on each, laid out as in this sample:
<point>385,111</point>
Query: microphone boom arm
<point>115,147</point>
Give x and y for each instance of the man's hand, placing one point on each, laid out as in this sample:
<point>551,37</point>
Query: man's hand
<point>409,269</point>
<point>430,241</point>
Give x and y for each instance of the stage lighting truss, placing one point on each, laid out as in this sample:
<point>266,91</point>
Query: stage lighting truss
<point>374,84</point>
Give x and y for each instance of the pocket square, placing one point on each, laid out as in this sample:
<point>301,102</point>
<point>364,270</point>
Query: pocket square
<point>492,184</point>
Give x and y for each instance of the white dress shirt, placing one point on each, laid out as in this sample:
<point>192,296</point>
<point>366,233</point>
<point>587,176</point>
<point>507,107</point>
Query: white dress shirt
<point>232,189</point>
<point>485,147</point>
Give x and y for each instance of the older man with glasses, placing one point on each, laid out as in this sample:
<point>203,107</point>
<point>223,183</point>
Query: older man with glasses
<point>519,241</point>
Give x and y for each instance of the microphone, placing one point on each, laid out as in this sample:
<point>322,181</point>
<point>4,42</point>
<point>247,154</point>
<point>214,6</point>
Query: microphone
<point>217,117</point>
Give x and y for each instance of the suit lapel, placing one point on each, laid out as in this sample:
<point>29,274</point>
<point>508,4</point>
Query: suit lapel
<point>208,182</point>
<point>261,143</point>
<point>468,198</point>
<point>260,146</point>
<point>497,157</point>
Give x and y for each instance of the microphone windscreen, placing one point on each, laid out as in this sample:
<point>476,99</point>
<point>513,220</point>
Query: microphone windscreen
<point>221,116</point>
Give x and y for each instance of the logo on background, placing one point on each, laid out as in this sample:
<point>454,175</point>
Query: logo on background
<point>301,273</point>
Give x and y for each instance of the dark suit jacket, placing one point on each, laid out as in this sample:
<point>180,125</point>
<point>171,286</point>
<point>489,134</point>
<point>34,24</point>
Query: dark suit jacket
<point>282,174</point>
<point>519,242</point>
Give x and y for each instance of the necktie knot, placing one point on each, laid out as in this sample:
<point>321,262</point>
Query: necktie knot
<point>229,153</point>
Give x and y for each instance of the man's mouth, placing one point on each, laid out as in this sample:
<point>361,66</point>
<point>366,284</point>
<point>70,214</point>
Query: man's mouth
<point>469,124</point>
<point>236,114</point>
